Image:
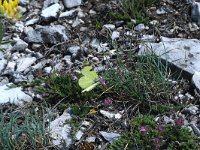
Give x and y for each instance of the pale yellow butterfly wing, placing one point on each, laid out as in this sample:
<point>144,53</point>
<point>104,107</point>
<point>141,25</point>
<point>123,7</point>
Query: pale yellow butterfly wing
<point>90,87</point>
<point>85,82</point>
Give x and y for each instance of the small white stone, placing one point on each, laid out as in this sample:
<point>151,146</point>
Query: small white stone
<point>109,26</point>
<point>107,114</point>
<point>78,135</point>
<point>181,96</point>
<point>48,70</point>
<point>71,3</point>
<point>118,116</point>
<point>92,12</point>
<point>140,27</point>
<point>91,139</point>
<point>31,21</point>
<point>51,11</point>
<point>110,137</point>
<point>86,123</point>
<point>76,22</point>
<point>154,22</point>
<point>115,35</point>
<point>196,79</point>
<point>176,97</point>
<point>133,20</point>
<point>67,13</point>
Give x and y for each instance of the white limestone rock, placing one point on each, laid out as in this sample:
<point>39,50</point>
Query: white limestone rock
<point>68,14</point>
<point>60,131</point>
<point>25,62</point>
<point>110,137</point>
<point>13,95</point>
<point>109,26</point>
<point>115,35</point>
<point>183,53</point>
<point>71,3</point>
<point>196,79</point>
<point>51,11</point>
<point>3,64</point>
<point>20,45</point>
<point>195,12</point>
<point>31,21</point>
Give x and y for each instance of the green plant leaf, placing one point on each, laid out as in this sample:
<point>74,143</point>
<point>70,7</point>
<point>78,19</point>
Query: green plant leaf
<point>1,32</point>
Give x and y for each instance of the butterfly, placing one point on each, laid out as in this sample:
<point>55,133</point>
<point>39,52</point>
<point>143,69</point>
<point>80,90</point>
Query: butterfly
<point>89,80</point>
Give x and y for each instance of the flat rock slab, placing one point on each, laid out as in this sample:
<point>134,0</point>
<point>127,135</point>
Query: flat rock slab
<point>13,95</point>
<point>183,53</point>
<point>47,34</point>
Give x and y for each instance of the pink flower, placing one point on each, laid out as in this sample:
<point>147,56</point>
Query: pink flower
<point>102,82</point>
<point>179,122</point>
<point>160,128</point>
<point>143,129</point>
<point>157,143</point>
<point>107,101</point>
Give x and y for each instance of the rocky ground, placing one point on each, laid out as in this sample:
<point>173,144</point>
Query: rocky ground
<point>63,36</point>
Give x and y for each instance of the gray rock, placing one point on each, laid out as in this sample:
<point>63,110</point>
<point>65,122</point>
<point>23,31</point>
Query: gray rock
<point>76,22</point>
<point>48,3</point>
<point>191,110</point>
<point>5,47</point>
<point>183,53</point>
<point>115,35</point>
<point>167,120</point>
<point>91,139</point>
<point>193,27</point>
<point>164,10</point>
<point>20,45</point>
<point>78,135</point>
<point>24,63</point>
<point>196,79</point>
<point>68,14</point>
<point>99,69</point>
<point>92,12</point>
<point>60,131</point>
<point>20,77</point>
<point>13,95</point>
<point>4,81</point>
<point>47,34</point>
<point>74,49</point>
<point>71,3</point>
<point>40,64</point>
<point>51,11</point>
<point>109,26</point>
<point>99,46</point>
<point>140,27</point>
<point>58,66</point>
<point>3,64</point>
<point>19,25</point>
<point>195,12</point>
<point>48,70</point>
<point>31,21</point>
<point>36,47</point>
<point>195,129</point>
<point>24,2</point>
<point>110,137</point>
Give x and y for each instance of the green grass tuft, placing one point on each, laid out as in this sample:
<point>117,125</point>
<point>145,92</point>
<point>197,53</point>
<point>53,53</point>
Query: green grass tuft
<point>133,9</point>
<point>23,130</point>
<point>143,81</point>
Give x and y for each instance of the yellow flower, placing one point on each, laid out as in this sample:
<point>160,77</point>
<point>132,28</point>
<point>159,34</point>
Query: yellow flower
<point>10,9</point>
